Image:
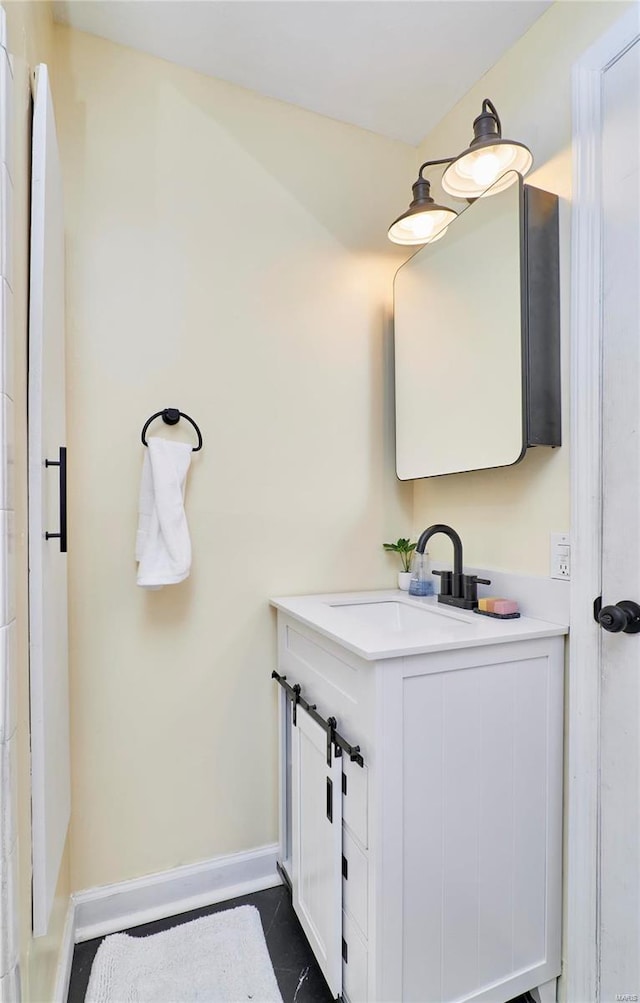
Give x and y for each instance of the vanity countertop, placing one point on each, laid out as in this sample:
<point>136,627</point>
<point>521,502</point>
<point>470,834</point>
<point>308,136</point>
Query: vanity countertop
<point>391,623</point>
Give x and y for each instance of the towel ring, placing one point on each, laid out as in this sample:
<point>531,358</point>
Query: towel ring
<point>171,416</point>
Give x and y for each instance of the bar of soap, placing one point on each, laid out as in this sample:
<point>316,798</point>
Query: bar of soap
<point>494,604</point>
<point>486,604</point>
<point>504,606</point>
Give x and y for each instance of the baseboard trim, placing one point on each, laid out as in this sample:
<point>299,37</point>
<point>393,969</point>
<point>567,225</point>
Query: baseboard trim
<point>65,958</point>
<point>111,908</point>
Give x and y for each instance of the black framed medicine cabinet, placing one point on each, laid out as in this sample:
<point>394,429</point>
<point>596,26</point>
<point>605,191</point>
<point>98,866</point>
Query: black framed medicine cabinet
<point>477,338</point>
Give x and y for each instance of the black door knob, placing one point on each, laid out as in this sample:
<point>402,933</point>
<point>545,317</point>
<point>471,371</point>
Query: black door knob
<point>624,616</point>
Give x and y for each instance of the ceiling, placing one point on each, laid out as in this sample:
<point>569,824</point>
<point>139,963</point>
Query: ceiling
<point>395,67</point>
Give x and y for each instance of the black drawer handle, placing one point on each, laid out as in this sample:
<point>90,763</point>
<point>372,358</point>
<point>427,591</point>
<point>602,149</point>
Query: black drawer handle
<point>62,464</point>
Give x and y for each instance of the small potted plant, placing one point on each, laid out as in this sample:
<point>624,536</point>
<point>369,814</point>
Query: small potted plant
<point>405,549</point>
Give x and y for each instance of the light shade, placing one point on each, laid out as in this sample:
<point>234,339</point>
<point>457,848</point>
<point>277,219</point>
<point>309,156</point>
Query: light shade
<point>424,221</point>
<point>489,162</point>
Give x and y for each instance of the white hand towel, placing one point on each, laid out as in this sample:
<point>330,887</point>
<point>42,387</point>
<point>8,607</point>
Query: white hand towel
<point>163,546</point>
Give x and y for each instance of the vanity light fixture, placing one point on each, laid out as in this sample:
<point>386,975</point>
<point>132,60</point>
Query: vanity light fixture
<point>487,159</point>
<point>425,220</point>
<point>488,166</point>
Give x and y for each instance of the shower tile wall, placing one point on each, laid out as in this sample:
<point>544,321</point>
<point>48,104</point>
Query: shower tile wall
<point>9,932</point>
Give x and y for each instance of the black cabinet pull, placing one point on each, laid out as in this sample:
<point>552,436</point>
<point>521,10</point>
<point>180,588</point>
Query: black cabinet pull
<point>330,799</point>
<point>62,464</point>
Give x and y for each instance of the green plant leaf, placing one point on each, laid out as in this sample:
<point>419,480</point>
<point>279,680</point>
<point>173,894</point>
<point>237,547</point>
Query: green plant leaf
<point>404,548</point>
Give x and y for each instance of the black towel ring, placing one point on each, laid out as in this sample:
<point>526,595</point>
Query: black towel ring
<point>171,416</point>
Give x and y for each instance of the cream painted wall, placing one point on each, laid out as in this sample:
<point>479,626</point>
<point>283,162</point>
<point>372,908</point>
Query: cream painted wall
<point>30,28</point>
<point>505,516</point>
<point>226,255</point>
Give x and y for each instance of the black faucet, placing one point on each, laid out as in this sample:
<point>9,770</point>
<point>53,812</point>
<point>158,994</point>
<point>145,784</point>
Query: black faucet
<point>456,588</point>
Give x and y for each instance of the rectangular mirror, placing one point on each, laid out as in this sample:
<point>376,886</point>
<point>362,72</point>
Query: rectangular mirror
<point>476,318</point>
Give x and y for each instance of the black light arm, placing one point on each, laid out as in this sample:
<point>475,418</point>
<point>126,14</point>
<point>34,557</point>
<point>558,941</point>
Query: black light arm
<point>488,105</point>
<point>488,108</point>
<point>434,163</point>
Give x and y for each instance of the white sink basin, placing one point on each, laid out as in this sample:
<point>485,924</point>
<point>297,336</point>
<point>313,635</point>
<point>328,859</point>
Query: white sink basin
<point>390,615</point>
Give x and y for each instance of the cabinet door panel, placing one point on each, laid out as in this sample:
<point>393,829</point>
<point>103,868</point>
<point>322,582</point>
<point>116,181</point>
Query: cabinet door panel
<point>317,845</point>
<point>355,805</point>
<point>355,885</point>
<point>356,982</point>
<point>481,750</point>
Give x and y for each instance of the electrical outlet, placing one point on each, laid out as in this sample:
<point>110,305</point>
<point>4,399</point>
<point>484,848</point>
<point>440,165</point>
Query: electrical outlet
<point>561,556</point>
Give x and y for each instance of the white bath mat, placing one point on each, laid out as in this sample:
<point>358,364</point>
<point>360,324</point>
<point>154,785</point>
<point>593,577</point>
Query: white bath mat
<point>221,958</point>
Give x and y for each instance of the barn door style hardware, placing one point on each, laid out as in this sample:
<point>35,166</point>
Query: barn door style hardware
<point>335,740</point>
<point>62,464</point>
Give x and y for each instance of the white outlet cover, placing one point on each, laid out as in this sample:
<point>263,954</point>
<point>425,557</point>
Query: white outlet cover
<point>560,556</point>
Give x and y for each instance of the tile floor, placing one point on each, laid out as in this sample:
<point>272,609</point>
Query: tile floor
<point>299,977</point>
<point>297,971</point>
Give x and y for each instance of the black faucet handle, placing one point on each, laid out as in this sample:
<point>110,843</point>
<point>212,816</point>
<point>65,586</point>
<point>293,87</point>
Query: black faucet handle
<point>445,582</point>
<point>470,586</point>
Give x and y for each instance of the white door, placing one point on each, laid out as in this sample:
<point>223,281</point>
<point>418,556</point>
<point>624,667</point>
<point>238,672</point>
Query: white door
<point>316,808</point>
<point>620,681</point>
<point>51,785</point>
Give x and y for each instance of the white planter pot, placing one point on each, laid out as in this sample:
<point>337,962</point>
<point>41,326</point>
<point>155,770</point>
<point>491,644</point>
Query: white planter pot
<point>404,577</point>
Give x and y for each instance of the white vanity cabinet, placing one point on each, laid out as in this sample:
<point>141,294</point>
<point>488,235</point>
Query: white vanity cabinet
<point>440,877</point>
